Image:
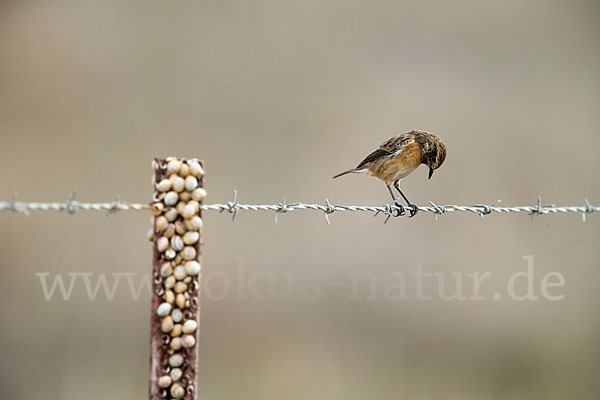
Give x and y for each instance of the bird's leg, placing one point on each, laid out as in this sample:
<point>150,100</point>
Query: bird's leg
<point>401,208</point>
<point>413,208</point>
<point>391,193</point>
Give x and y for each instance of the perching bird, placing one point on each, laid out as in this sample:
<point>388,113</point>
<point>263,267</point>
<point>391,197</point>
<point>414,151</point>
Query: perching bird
<point>398,157</point>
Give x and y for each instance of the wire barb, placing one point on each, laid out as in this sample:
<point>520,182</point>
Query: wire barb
<point>14,205</point>
<point>233,206</point>
<point>538,209</point>
<point>328,210</point>
<point>282,208</point>
<point>114,206</point>
<point>438,210</point>
<point>70,203</point>
<point>388,210</point>
<point>486,208</point>
<point>588,209</point>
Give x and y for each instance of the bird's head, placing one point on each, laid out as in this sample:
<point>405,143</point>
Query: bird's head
<point>434,153</point>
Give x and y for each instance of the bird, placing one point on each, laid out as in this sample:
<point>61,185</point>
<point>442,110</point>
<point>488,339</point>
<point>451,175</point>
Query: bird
<point>397,157</point>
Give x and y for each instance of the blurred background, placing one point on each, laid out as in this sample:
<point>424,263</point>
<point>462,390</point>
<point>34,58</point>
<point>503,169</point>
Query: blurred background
<point>277,97</point>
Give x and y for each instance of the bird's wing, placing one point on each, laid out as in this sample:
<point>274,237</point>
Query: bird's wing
<point>387,148</point>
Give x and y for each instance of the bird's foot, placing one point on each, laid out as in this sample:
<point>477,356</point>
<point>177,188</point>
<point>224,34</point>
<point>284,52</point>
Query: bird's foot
<point>399,210</point>
<point>413,210</point>
<point>392,210</point>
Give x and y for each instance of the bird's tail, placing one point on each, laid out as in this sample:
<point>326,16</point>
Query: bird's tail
<point>345,172</point>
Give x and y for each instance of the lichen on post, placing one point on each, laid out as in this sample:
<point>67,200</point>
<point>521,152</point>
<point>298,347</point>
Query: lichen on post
<point>175,313</point>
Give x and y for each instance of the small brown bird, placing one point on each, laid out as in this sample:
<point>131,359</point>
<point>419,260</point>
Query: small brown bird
<point>398,157</point>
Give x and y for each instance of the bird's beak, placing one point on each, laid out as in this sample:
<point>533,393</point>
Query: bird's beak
<point>430,172</point>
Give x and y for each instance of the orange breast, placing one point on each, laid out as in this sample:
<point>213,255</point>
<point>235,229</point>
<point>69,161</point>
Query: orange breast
<point>411,155</point>
<point>393,168</point>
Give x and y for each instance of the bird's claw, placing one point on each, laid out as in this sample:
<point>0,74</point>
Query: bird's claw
<point>396,209</point>
<point>399,210</point>
<point>413,210</point>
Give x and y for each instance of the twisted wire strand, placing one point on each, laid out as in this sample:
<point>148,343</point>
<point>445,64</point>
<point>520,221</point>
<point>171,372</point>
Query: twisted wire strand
<point>71,206</point>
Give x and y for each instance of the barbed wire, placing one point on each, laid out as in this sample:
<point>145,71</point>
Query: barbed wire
<point>71,206</point>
